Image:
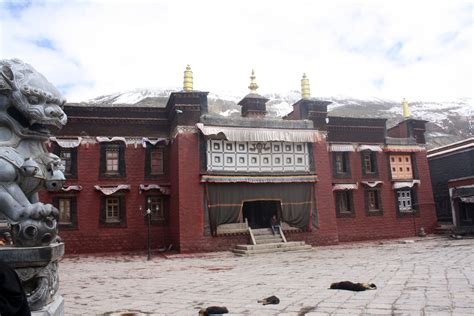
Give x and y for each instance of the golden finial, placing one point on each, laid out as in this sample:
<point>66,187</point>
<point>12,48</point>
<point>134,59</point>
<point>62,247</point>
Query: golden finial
<point>253,85</point>
<point>305,92</point>
<point>188,79</point>
<point>406,110</point>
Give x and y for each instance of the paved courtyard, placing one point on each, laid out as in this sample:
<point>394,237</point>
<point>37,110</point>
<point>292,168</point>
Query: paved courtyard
<point>431,276</point>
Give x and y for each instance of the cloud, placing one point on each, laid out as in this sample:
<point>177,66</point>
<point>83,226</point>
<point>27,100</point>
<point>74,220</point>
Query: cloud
<point>393,49</point>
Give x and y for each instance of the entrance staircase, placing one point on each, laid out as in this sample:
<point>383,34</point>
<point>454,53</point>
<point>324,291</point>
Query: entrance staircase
<point>264,241</point>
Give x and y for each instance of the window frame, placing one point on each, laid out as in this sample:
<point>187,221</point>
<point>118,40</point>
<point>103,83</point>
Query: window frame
<point>348,196</point>
<point>121,222</point>
<point>414,210</point>
<point>58,150</point>
<point>368,210</point>
<point>346,162</point>
<point>72,211</point>
<point>108,147</point>
<point>373,161</point>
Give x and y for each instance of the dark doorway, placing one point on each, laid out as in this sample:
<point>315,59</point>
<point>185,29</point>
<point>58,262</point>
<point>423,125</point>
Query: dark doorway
<point>259,213</point>
<point>466,214</point>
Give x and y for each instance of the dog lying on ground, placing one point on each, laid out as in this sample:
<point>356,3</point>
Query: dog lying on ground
<point>213,310</point>
<point>269,300</point>
<point>348,285</point>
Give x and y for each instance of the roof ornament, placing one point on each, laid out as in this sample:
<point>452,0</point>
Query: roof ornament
<point>305,91</point>
<point>253,85</point>
<point>188,79</point>
<point>406,110</point>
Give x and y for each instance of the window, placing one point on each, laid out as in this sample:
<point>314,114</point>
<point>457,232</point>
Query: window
<point>344,205</point>
<point>341,165</point>
<point>156,204</point>
<point>66,206</point>
<point>112,162</point>
<point>112,211</point>
<point>401,167</point>
<point>68,158</point>
<point>373,202</point>
<point>369,163</point>
<point>155,161</point>
<point>406,202</point>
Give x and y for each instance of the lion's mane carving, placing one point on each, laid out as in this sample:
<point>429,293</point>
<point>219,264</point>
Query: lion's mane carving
<point>29,107</point>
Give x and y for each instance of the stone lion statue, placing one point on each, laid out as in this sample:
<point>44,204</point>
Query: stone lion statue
<point>30,107</point>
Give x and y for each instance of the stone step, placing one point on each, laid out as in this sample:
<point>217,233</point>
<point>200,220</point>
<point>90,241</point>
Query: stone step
<point>262,231</point>
<point>268,239</point>
<point>271,245</point>
<point>444,229</point>
<point>241,252</point>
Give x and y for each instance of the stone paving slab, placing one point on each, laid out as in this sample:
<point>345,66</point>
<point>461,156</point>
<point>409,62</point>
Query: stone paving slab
<point>431,276</point>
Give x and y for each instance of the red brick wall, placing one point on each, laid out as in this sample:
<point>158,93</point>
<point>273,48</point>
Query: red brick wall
<point>388,225</point>
<point>89,235</point>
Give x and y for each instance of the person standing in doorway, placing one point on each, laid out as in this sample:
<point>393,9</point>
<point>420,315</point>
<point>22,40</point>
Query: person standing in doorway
<point>275,224</point>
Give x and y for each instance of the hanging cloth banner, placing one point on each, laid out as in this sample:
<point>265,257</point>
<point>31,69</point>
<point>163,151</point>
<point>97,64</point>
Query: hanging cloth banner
<point>108,190</point>
<point>377,148</point>
<point>242,134</point>
<point>108,140</point>
<point>147,187</point>
<point>67,142</point>
<point>341,147</point>
<point>405,184</point>
<point>71,188</point>
<point>372,184</point>
<point>345,186</point>
<point>154,141</point>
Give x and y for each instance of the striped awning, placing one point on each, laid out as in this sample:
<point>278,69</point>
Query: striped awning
<point>405,184</point>
<point>341,147</point>
<point>109,190</point>
<point>101,139</point>
<point>401,148</point>
<point>259,179</point>
<point>345,186</point>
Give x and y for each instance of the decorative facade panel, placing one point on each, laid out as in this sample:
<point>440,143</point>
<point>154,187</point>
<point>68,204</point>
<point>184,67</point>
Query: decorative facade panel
<point>268,157</point>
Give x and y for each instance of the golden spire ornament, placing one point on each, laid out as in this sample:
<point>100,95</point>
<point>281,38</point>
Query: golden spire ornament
<point>253,85</point>
<point>305,91</point>
<point>406,110</point>
<point>188,79</point>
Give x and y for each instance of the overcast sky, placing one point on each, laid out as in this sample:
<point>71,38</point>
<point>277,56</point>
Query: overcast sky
<point>388,49</point>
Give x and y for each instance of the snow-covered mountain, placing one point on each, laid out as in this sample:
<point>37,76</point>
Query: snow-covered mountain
<point>448,121</point>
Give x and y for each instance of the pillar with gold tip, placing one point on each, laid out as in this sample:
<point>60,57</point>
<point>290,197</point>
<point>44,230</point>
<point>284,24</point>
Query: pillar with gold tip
<point>406,109</point>
<point>188,79</point>
<point>253,84</point>
<point>305,90</point>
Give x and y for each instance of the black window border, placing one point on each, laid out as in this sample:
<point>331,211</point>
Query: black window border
<point>57,151</point>
<point>340,214</point>
<point>73,198</point>
<point>164,203</point>
<point>373,157</point>
<point>149,147</point>
<point>341,175</point>
<point>414,204</point>
<point>122,211</point>
<point>369,212</point>
<point>103,161</point>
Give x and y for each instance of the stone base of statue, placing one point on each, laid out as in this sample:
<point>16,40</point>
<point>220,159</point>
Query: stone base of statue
<point>37,268</point>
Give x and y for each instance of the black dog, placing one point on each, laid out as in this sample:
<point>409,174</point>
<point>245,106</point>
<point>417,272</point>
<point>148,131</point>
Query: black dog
<point>218,310</point>
<point>348,285</point>
<point>269,300</point>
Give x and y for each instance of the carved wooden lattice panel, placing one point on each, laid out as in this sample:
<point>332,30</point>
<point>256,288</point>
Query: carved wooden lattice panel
<point>253,157</point>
